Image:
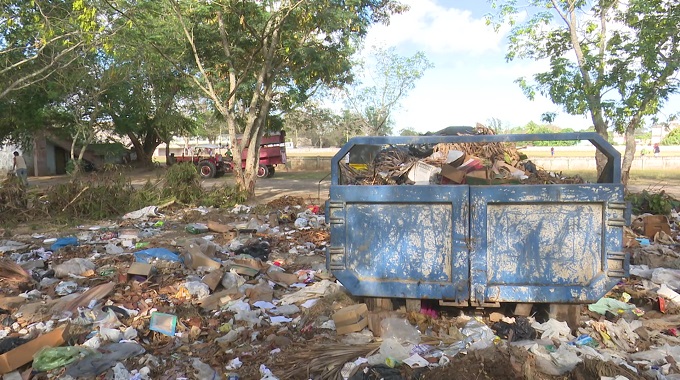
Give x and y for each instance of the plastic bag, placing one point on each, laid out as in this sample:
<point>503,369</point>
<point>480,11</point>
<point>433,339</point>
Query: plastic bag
<point>232,280</point>
<point>197,289</point>
<point>75,266</point>
<point>50,358</point>
<point>670,277</point>
<point>478,335</point>
<point>147,255</point>
<point>400,330</point>
<point>94,365</point>
<point>520,330</point>
<point>604,305</point>
<point>204,371</point>
<point>64,242</point>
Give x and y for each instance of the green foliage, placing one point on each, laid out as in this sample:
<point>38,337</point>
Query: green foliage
<point>183,183</point>
<point>673,138</point>
<point>532,127</point>
<point>93,196</point>
<point>223,197</point>
<point>108,194</point>
<point>408,132</point>
<point>655,203</point>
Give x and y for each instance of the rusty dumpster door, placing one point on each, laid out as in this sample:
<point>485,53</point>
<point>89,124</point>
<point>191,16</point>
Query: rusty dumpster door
<point>400,241</point>
<point>551,243</point>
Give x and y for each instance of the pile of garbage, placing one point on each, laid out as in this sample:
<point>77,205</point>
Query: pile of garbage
<point>203,293</point>
<point>494,163</point>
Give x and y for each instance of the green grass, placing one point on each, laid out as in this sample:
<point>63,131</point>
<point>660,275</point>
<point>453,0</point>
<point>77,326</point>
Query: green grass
<point>636,176</point>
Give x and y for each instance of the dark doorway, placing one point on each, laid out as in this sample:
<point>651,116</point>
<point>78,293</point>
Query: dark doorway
<point>60,159</point>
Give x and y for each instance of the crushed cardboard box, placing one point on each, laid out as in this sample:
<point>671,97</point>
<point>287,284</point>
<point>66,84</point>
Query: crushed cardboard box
<point>655,223</point>
<point>23,354</point>
<point>351,319</point>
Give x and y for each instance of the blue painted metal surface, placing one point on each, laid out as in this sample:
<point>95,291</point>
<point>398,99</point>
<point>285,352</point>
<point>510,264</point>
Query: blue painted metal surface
<point>479,244</point>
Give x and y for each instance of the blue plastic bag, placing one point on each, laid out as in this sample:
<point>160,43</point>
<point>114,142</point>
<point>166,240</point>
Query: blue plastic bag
<point>64,242</point>
<point>147,255</point>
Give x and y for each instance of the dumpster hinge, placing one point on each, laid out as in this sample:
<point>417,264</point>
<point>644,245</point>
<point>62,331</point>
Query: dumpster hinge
<point>337,258</point>
<point>616,264</point>
<point>334,206</point>
<point>618,218</point>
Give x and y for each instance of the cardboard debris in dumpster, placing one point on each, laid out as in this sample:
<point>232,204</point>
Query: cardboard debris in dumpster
<point>23,354</point>
<point>453,174</point>
<point>351,319</point>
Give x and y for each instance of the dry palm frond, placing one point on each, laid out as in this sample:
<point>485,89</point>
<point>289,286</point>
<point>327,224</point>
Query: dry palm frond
<point>327,360</point>
<point>13,272</point>
<point>96,293</point>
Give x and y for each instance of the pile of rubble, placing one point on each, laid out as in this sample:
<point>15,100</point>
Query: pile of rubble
<point>451,164</point>
<point>213,294</point>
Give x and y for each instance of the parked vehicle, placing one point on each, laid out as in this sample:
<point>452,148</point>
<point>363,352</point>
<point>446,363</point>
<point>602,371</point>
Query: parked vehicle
<point>479,245</point>
<point>212,162</point>
<point>207,158</point>
<point>272,153</point>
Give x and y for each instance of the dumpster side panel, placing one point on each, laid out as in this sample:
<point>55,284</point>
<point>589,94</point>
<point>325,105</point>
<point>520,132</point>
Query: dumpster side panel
<point>553,243</point>
<point>529,243</point>
<point>400,241</point>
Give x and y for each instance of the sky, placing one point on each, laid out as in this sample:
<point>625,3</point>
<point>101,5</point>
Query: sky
<point>471,81</point>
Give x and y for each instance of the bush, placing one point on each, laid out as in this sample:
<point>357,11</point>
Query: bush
<point>183,183</point>
<point>673,138</point>
<point>654,203</point>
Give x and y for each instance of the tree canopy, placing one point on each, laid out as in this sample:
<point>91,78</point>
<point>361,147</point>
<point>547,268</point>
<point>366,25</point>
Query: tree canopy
<point>390,78</point>
<point>615,62</point>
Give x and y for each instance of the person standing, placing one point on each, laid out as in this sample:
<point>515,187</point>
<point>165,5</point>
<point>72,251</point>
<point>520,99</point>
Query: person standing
<point>657,150</point>
<point>552,151</point>
<point>19,168</point>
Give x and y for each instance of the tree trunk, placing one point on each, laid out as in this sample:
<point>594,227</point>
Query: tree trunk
<point>629,154</point>
<point>601,129</point>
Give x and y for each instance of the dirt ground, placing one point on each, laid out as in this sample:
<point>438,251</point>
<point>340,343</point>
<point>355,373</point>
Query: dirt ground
<point>314,186</point>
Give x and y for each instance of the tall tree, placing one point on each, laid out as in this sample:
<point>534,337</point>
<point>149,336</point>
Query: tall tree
<point>615,62</point>
<point>390,78</point>
<point>39,38</point>
<point>250,57</point>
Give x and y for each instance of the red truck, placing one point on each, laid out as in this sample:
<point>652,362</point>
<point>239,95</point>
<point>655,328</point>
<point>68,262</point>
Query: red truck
<point>213,164</point>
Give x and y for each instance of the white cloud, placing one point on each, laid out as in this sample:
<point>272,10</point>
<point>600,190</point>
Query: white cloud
<point>436,29</point>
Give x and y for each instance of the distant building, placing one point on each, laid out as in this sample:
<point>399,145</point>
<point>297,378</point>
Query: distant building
<point>659,131</point>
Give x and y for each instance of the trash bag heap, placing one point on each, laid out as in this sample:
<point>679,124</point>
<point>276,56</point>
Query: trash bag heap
<point>244,293</point>
<point>490,163</point>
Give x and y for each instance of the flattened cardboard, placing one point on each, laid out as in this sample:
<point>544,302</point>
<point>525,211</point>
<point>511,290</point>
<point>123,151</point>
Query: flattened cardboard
<point>453,174</point>
<point>654,224</point>
<point>213,279</point>
<point>260,293</point>
<point>375,319</point>
<point>350,315</point>
<point>219,227</point>
<point>140,269</point>
<point>247,267</point>
<point>477,177</point>
<point>354,327</point>
<point>219,299</point>
<point>195,259</point>
<point>23,354</point>
<point>287,279</point>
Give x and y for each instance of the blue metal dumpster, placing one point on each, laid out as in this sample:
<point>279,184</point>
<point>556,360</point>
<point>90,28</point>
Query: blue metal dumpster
<point>479,245</point>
